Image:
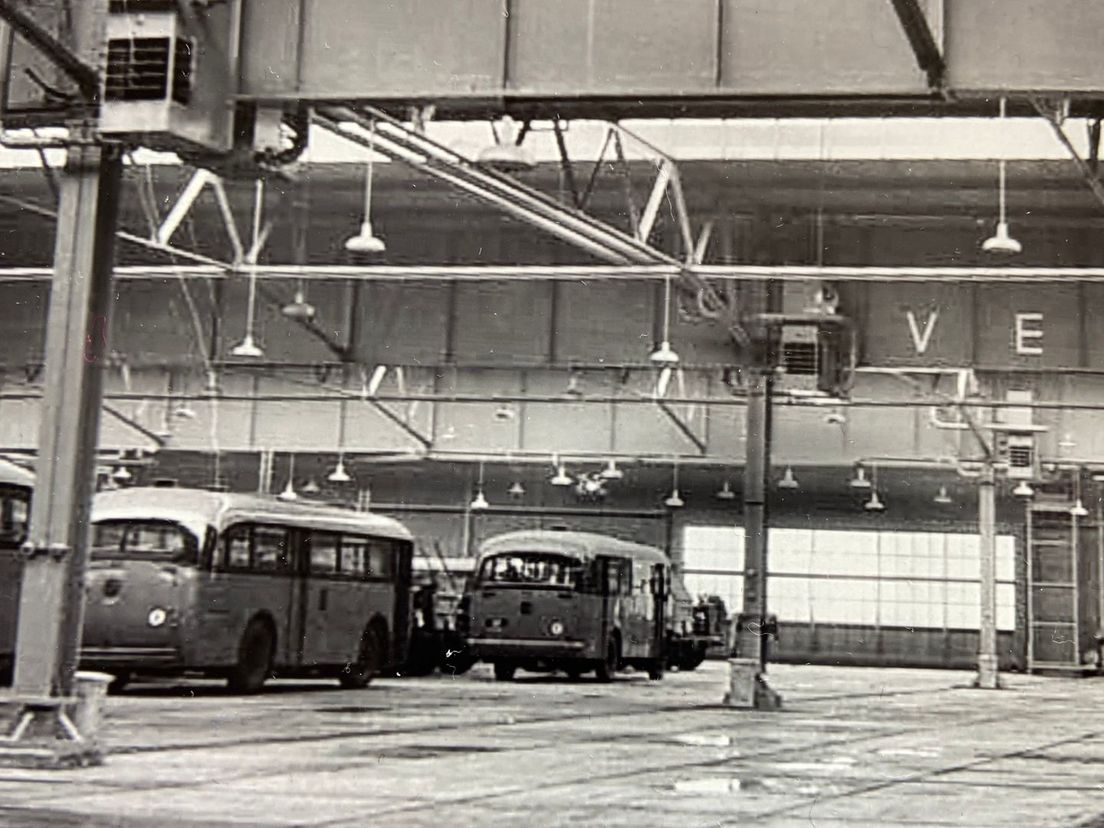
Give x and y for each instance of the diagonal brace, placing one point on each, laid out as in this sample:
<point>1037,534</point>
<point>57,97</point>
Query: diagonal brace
<point>920,37</point>
<point>86,78</point>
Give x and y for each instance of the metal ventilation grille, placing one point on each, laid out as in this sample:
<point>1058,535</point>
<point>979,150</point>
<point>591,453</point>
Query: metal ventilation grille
<point>800,358</point>
<point>1020,457</point>
<point>138,69</point>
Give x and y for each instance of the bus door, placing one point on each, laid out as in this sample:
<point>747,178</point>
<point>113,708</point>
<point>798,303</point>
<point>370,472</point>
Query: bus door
<point>319,601</point>
<point>617,596</point>
<point>659,605</point>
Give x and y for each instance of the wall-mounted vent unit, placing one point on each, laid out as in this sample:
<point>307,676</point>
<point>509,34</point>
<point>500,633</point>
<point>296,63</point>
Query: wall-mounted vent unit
<point>168,82</point>
<point>149,69</point>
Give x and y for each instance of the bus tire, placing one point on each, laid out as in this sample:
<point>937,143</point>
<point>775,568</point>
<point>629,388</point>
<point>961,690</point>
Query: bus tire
<point>605,668</point>
<point>655,669</point>
<point>373,646</point>
<point>504,671</point>
<point>574,672</point>
<point>254,658</point>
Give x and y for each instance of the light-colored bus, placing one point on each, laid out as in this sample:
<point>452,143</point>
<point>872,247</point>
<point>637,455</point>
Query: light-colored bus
<point>244,587</point>
<point>16,487</point>
<point>571,601</point>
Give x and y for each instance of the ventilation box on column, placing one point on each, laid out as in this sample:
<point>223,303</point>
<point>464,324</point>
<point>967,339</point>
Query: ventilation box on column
<point>169,79</point>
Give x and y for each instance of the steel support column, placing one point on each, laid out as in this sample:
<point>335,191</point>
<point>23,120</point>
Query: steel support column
<point>52,597</point>
<point>988,670</point>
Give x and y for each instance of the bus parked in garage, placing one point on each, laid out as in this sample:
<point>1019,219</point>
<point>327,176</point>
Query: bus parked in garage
<point>16,486</point>
<point>244,587</point>
<point>573,601</point>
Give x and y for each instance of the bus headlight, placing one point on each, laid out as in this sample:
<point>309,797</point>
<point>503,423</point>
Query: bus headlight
<point>556,628</point>
<point>157,617</point>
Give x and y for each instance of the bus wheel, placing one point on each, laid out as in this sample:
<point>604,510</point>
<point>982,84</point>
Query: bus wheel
<point>369,663</point>
<point>254,659</point>
<point>608,666</point>
<point>504,671</point>
<point>655,669</point>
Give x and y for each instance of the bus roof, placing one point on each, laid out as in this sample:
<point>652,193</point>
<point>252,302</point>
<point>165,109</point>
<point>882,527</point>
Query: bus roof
<point>577,544</point>
<point>197,509</point>
<point>12,474</point>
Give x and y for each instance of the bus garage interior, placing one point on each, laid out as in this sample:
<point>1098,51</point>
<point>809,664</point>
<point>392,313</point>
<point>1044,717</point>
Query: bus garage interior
<point>467,405</point>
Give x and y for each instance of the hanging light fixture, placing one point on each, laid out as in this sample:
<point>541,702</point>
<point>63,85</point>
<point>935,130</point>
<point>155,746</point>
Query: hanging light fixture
<point>366,242</point>
<point>1023,489</point>
<point>788,480</point>
<point>835,417</point>
<point>480,500</point>
<point>875,503</point>
<point>289,492</point>
<point>516,489</point>
<point>859,481</point>
<point>1001,242</point>
<point>674,500</point>
<point>611,472</point>
<point>665,355</point>
<point>339,475</point>
<point>1078,510</point>
<point>299,308</point>
<point>573,389</point>
<point>311,487</point>
<point>942,497</point>
<point>725,492</point>
<point>507,154</point>
<point>1067,442</point>
<point>121,474</point>
<point>504,413</point>
<point>561,477</point>
<point>248,347</point>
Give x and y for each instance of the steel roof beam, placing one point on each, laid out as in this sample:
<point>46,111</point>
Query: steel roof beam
<point>920,37</point>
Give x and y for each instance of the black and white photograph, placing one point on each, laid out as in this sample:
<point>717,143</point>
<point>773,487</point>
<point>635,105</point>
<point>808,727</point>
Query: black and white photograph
<point>621,413</point>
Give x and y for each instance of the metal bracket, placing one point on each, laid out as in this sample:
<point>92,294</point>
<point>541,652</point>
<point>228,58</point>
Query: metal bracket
<point>86,77</point>
<point>56,551</point>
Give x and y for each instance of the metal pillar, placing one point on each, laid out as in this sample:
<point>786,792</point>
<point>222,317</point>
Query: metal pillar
<point>988,669</point>
<point>747,687</point>
<point>52,597</point>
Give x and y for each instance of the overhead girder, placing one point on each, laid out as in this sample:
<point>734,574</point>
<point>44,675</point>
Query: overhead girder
<point>929,56</point>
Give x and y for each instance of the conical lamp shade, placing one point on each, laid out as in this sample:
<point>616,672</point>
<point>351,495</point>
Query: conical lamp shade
<point>339,475</point>
<point>1023,489</point>
<point>299,308</point>
<point>247,348</point>
<point>725,492</point>
<point>480,501</point>
<point>1078,509</point>
<point>942,498</point>
<point>674,500</point>
<point>1001,242</point>
<point>562,478</point>
<point>366,241</point>
<point>289,492</point>
<point>664,354</point>
<point>788,480</point>
<point>875,503</point>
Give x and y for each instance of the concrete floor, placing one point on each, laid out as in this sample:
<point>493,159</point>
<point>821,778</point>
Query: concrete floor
<point>852,747</point>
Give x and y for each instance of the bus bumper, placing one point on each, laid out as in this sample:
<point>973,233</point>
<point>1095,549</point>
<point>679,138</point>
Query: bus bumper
<point>536,648</point>
<point>108,658</point>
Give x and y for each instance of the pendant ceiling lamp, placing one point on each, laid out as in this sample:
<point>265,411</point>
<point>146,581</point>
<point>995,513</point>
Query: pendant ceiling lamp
<point>611,472</point>
<point>1078,510</point>
<point>366,242</point>
<point>875,503</point>
<point>725,492</point>
<point>1023,489</point>
<point>860,481</point>
<point>480,500</point>
<point>248,347</point>
<point>339,475</point>
<point>664,355</point>
<point>674,500</point>
<point>788,480</point>
<point>299,308</point>
<point>507,154</point>
<point>942,497</point>
<point>289,493</point>
<point>1001,242</point>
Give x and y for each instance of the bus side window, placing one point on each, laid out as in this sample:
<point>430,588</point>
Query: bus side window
<point>270,549</point>
<point>354,557</point>
<point>236,543</point>
<point>381,556</point>
<point>323,553</point>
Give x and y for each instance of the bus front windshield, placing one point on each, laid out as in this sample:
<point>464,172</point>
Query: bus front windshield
<point>533,569</point>
<point>146,540</point>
